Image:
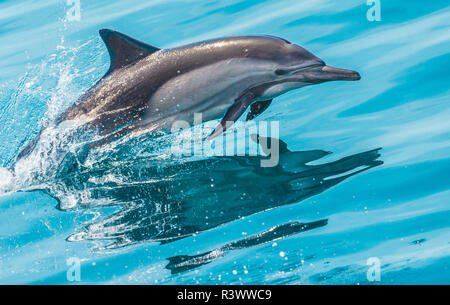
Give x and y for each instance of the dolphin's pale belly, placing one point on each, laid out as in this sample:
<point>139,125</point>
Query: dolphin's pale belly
<point>279,89</point>
<point>208,90</point>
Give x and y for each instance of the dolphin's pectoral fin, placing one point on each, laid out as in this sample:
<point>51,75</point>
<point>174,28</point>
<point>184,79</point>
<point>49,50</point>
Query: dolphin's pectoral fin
<point>124,50</point>
<point>233,114</point>
<point>257,108</point>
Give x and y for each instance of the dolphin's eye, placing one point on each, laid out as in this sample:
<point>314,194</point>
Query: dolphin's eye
<point>280,72</point>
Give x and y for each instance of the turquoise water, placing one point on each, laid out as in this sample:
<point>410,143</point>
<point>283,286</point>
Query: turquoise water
<point>366,174</point>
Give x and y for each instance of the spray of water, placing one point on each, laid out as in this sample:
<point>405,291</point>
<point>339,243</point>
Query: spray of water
<point>33,103</point>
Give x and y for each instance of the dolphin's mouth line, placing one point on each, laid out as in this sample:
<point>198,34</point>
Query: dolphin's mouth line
<point>302,69</point>
<point>321,72</point>
<point>296,69</point>
<point>340,74</point>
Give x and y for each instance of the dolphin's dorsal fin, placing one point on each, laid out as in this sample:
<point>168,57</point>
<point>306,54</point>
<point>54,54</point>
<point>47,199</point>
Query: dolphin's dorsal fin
<point>124,50</point>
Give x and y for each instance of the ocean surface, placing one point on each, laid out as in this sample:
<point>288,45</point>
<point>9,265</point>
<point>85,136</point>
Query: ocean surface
<point>361,194</point>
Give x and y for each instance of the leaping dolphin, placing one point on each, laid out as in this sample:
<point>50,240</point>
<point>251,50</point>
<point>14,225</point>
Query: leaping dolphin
<point>148,89</point>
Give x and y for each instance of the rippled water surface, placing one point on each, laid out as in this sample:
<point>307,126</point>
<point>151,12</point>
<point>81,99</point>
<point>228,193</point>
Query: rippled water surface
<point>364,169</point>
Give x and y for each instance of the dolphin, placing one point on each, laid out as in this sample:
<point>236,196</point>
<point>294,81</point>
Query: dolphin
<point>148,89</point>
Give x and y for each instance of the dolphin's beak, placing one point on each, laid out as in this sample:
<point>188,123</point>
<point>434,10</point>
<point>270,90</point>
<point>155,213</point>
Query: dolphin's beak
<point>332,73</point>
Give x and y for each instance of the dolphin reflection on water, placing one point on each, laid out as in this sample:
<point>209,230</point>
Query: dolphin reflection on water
<point>163,201</point>
<point>182,263</point>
